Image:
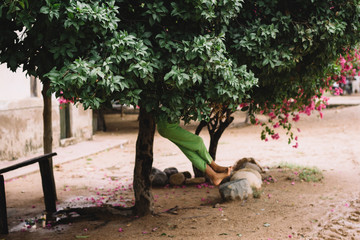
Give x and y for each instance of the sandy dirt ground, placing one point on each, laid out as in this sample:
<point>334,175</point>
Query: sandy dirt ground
<point>286,209</point>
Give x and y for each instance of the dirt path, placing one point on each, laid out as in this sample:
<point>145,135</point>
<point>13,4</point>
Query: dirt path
<point>286,209</point>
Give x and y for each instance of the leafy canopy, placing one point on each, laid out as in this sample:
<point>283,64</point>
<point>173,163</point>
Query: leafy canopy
<point>177,58</point>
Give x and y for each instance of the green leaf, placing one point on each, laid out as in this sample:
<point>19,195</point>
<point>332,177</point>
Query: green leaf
<point>44,10</point>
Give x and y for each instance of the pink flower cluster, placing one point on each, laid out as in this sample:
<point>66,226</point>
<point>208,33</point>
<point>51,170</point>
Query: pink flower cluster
<point>63,101</point>
<point>349,65</point>
<point>287,113</point>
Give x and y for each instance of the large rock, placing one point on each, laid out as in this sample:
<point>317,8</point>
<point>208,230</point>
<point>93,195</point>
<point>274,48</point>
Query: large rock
<point>158,178</point>
<point>233,190</point>
<point>247,163</point>
<point>177,179</point>
<point>252,176</point>
<point>170,171</point>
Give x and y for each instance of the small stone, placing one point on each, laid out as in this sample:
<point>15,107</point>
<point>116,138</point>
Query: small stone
<point>170,171</point>
<point>197,180</point>
<point>177,179</point>
<point>217,205</point>
<point>237,189</point>
<point>158,178</point>
<point>187,174</point>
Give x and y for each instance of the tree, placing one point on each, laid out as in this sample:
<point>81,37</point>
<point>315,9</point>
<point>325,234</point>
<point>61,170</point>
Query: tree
<point>181,60</point>
<point>159,67</point>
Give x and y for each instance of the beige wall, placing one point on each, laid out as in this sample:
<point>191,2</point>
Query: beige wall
<point>81,122</point>
<point>21,123</point>
<point>21,128</point>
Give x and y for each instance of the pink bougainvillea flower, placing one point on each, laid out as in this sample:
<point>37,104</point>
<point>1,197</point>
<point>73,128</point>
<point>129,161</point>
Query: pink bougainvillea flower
<point>120,230</point>
<point>296,118</point>
<point>292,183</point>
<point>272,115</point>
<point>276,136</point>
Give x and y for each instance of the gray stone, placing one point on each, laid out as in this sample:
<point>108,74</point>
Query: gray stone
<point>177,179</point>
<point>253,177</point>
<point>238,189</point>
<point>170,171</point>
<point>158,178</point>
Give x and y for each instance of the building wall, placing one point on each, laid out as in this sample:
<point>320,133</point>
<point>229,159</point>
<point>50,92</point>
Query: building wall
<point>81,122</point>
<point>21,122</point>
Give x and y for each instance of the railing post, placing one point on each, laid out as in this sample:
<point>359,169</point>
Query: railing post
<point>3,213</point>
<point>48,184</point>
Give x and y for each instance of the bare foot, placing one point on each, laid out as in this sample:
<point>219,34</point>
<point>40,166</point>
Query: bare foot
<point>218,168</point>
<point>216,178</point>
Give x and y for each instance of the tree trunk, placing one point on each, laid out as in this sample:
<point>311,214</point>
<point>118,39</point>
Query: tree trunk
<point>47,118</point>
<point>101,124</point>
<point>216,132</point>
<point>216,126</point>
<point>47,140</point>
<point>144,204</point>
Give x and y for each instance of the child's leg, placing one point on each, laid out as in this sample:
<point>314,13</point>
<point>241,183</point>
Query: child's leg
<point>192,145</point>
<point>195,159</point>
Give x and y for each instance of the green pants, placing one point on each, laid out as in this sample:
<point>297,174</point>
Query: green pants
<point>190,144</point>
